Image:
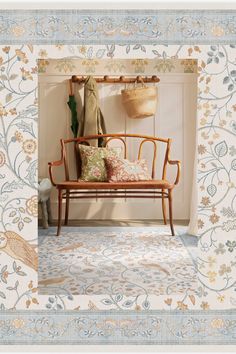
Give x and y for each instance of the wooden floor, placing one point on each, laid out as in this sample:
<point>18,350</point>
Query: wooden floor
<point>119,222</point>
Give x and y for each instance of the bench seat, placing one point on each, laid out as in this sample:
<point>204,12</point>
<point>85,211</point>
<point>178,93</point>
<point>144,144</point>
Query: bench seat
<point>152,184</point>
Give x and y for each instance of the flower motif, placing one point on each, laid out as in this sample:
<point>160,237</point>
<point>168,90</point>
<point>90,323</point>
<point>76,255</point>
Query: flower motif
<point>201,149</point>
<point>217,31</point>
<point>139,65</point>
<point>231,245</point>
<point>29,146</point>
<point>224,269</point>
<point>164,65</point>
<point>17,323</point>
<point>21,56</point>
<point>18,136</point>
<point>32,206</point>
<point>182,306</point>
<point>217,323</point>
<point>204,305</point>
<point>18,31</point>
<point>65,65</point>
<point>3,111</point>
<point>214,218</point>
<point>205,201</point>
<point>211,276</point>
<point>200,224</point>
<point>42,65</point>
<point>6,49</point>
<point>43,53</point>
<point>2,159</point>
<point>26,74</point>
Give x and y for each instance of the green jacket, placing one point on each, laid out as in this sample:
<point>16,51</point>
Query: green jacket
<point>91,120</point>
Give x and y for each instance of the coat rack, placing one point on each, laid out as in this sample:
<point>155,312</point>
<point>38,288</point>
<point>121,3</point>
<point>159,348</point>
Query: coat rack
<point>116,80</point>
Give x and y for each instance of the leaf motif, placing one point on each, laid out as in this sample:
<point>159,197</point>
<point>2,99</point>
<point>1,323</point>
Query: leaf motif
<point>128,303</point>
<point>231,87</point>
<point>13,76</point>
<point>233,73</point>
<point>221,149</point>
<point>233,165</point>
<point>26,127</point>
<point>27,219</point>
<point>146,304</point>
<point>20,225</point>
<point>12,213</point>
<point>100,53</point>
<point>16,220</point>
<point>118,297</point>
<point>226,80</point>
<point>3,77</point>
<point>8,97</point>
<point>107,302</point>
<point>2,295</point>
<point>192,299</point>
<point>213,47</point>
<point>9,187</point>
<point>211,190</point>
<point>209,60</point>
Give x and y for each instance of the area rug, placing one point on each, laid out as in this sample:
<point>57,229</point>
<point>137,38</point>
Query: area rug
<point>130,261</point>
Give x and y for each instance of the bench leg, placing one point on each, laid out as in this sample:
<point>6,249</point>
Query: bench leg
<point>170,212</point>
<point>67,207</point>
<point>59,211</point>
<point>164,207</point>
<point>49,210</point>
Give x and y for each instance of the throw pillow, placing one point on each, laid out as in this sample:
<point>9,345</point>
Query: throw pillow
<point>122,170</point>
<point>93,167</point>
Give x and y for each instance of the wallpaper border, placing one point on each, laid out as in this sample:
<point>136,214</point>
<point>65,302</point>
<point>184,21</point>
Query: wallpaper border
<point>121,26</point>
<point>133,328</point>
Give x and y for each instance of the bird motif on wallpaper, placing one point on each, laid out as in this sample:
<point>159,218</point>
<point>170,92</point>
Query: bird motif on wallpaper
<point>18,248</point>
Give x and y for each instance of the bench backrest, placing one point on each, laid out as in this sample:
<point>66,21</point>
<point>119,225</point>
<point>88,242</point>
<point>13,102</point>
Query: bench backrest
<point>143,139</point>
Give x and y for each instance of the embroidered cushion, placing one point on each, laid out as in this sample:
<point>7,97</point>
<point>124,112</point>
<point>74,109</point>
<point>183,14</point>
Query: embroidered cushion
<point>93,164</point>
<point>122,170</point>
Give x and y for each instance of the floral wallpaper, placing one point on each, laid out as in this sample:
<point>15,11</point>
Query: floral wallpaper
<point>216,176</point>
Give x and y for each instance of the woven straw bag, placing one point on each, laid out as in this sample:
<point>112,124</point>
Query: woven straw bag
<point>140,102</point>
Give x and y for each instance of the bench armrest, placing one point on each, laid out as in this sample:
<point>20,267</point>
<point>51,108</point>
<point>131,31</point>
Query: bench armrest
<point>51,165</point>
<point>176,162</point>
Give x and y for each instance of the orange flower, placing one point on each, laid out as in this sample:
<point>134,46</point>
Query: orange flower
<point>168,301</point>
<point>205,201</point>
<point>200,224</point>
<point>214,218</point>
<point>201,149</point>
<point>182,306</point>
<point>205,305</point>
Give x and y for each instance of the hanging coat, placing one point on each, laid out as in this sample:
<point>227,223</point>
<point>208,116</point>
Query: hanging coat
<point>74,122</point>
<point>91,121</point>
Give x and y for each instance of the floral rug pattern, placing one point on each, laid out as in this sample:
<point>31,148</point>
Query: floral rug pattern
<point>129,262</point>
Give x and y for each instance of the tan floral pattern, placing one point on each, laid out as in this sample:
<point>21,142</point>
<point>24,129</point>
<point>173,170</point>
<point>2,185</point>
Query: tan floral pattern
<point>32,206</point>
<point>122,170</point>
<point>29,146</point>
<point>93,165</point>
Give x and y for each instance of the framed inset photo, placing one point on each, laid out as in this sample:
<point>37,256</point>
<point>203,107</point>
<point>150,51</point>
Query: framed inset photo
<point>117,177</point>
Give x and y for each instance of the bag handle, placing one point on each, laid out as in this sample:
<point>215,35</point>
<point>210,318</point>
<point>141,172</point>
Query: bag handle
<point>139,80</point>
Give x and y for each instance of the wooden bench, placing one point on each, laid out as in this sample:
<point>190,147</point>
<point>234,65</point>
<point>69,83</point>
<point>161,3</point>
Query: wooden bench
<point>71,189</point>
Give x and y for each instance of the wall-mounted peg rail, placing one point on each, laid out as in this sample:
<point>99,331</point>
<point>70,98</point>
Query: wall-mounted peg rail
<point>117,80</point>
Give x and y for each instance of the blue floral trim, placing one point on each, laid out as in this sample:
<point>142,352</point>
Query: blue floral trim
<point>117,26</point>
<point>86,327</point>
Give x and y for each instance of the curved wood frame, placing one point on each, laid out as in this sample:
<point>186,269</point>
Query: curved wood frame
<point>76,189</point>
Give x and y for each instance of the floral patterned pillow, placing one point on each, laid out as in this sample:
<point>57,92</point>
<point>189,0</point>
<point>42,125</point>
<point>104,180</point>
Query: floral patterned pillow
<point>93,164</point>
<point>122,170</point>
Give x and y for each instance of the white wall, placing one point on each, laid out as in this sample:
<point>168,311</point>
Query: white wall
<point>175,118</point>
